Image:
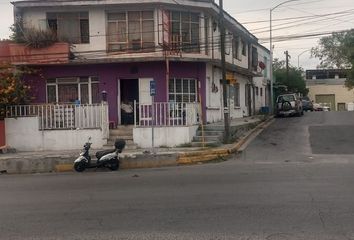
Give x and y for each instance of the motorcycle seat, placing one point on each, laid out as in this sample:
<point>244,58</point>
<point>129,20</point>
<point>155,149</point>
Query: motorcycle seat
<point>100,154</point>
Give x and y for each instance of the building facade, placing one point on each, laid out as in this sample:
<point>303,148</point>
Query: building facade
<point>117,48</point>
<point>327,87</point>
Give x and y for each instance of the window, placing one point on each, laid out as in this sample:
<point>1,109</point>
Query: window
<point>237,95</point>
<point>68,90</point>
<point>185,31</point>
<point>70,27</point>
<point>244,48</point>
<point>206,31</point>
<point>254,59</point>
<point>256,91</point>
<point>236,47</point>
<point>182,90</point>
<point>131,31</point>
<point>261,89</point>
<point>265,71</point>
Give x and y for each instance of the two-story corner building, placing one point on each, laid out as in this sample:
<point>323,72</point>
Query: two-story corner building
<point>327,87</point>
<point>118,47</point>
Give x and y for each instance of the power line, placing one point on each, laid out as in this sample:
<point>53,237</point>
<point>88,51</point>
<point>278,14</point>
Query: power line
<point>267,9</point>
<point>300,36</point>
<point>330,18</point>
<point>293,18</point>
<point>180,47</point>
<point>297,24</point>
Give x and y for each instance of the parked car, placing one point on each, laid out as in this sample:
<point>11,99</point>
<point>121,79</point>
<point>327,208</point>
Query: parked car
<point>326,108</point>
<point>289,105</point>
<point>317,107</point>
<point>307,104</point>
<point>321,107</point>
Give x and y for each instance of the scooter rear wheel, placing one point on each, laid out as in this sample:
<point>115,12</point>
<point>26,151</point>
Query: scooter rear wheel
<point>114,166</point>
<point>79,166</point>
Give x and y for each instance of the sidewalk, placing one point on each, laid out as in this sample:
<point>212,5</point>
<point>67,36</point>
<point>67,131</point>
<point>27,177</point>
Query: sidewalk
<point>59,161</point>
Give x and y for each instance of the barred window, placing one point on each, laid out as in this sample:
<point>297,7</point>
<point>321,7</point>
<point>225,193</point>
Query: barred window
<point>182,90</point>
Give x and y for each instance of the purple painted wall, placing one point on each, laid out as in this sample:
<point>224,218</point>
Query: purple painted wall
<point>109,73</point>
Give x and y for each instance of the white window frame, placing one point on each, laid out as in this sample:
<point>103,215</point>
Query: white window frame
<point>183,93</point>
<point>57,83</point>
<point>126,21</point>
<point>184,45</point>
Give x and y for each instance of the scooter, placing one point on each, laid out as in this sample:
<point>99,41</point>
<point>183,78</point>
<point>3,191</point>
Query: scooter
<point>106,158</point>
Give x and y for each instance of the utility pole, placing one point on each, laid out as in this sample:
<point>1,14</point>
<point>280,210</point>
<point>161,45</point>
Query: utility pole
<point>287,65</point>
<point>223,67</point>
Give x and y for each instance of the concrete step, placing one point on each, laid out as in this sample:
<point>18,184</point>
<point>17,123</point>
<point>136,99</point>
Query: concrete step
<point>127,142</point>
<point>210,133</point>
<point>213,128</point>
<point>127,137</point>
<point>127,147</point>
<point>206,138</point>
<point>206,144</point>
<point>121,132</point>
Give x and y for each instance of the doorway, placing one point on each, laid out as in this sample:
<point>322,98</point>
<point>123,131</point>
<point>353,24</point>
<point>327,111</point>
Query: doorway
<point>341,107</point>
<point>128,92</point>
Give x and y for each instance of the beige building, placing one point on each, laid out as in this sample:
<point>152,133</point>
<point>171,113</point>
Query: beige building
<point>327,87</point>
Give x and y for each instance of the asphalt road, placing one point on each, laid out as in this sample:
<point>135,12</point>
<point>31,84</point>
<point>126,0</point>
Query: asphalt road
<point>294,181</point>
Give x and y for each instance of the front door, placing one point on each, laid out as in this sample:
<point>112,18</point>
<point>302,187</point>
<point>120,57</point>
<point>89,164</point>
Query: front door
<point>341,107</point>
<point>129,92</point>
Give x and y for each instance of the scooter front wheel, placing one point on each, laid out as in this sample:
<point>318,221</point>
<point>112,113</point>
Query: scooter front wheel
<point>79,166</point>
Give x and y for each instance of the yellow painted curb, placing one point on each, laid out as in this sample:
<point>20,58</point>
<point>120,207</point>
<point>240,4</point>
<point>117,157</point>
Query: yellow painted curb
<point>212,154</point>
<point>202,158</point>
<point>64,168</point>
<point>208,152</point>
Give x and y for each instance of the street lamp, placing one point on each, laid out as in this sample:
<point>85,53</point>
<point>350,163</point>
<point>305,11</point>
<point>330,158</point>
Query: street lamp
<point>271,52</point>
<point>298,57</point>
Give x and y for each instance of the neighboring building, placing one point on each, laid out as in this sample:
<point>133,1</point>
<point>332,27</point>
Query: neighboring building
<point>327,87</point>
<point>262,82</point>
<point>118,47</point>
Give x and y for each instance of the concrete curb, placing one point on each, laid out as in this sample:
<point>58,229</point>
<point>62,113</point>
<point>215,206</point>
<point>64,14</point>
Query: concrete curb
<point>214,154</point>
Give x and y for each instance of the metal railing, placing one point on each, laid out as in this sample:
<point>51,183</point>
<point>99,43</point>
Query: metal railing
<point>63,116</point>
<point>166,114</point>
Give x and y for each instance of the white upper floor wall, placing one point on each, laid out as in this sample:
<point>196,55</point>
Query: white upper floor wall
<point>135,28</point>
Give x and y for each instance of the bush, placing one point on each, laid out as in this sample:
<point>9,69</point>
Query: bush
<point>33,37</point>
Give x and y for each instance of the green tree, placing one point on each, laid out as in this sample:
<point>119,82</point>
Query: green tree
<point>295,83</point>
<point>13,90</point>
<point>337,51</point>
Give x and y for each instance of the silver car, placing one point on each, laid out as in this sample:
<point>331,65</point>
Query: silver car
<point>289,105</point>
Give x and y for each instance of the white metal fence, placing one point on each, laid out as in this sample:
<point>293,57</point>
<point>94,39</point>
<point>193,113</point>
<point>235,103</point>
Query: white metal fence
<point>66,116</point>
<point>166,114</point>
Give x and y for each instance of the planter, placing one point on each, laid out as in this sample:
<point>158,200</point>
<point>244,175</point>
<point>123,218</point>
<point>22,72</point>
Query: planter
<point>21,54</point>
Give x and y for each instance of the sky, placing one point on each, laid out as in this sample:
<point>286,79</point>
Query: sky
<point>306,17</point>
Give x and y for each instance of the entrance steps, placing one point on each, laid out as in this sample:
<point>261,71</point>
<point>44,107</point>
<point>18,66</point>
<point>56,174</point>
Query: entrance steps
<point>122,132</point>
<point>212,136</point>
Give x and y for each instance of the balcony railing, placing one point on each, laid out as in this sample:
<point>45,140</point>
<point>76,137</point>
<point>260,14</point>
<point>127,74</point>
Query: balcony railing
<point>166,114</point>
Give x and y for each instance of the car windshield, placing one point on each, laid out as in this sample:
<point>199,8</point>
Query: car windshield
<point>287,98</point>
